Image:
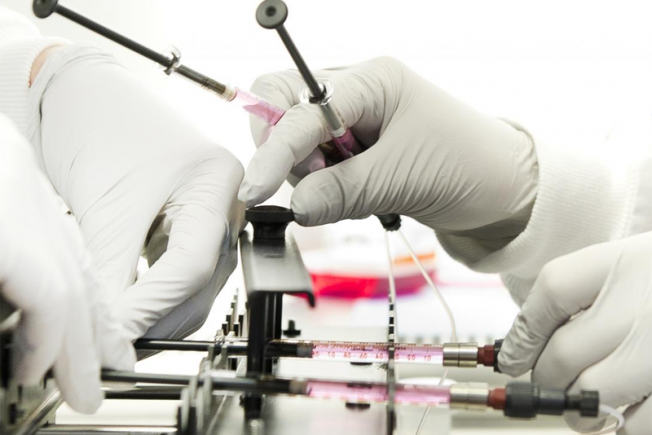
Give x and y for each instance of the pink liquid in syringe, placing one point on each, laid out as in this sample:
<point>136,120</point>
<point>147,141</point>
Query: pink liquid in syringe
<point>377,353</point>
<point>257,106</point>
<point>368,393</point>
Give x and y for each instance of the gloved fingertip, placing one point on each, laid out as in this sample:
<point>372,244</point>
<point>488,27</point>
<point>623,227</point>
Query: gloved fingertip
<point>250,195</point>
<point>511,366</point>
<point>302,216</point>
<point>87,400</point>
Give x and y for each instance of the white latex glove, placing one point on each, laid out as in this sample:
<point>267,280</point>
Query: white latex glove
<point>588,324</point>
<point>429,156</point>
<point>136,173</point>
<point>45,272</point>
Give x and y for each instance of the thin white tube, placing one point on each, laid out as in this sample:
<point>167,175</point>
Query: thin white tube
<point>432,285</point>
<point>615,426</point>
<point>449,314</point>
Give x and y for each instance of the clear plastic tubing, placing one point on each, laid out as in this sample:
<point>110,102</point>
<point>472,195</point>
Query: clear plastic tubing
<point>377,353</point>
<point>370,393</point>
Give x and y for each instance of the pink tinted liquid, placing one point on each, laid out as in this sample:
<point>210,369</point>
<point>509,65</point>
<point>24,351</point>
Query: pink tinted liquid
<point>377,353</point>
<point>354,287</point>
<point>259,107</point>
<point>361,393</point>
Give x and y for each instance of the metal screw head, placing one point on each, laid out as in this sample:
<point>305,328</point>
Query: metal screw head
<point>44,8</point>
<point>271,14</point>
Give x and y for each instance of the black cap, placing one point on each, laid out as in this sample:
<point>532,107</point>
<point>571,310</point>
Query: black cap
<point>269,221</point>
<point>271,14</point>
<point>44,8</point>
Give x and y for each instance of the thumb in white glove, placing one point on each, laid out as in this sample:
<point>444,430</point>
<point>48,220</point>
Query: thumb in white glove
<point>429,156</point>
<point>45,272</point>
<point>587,324</point>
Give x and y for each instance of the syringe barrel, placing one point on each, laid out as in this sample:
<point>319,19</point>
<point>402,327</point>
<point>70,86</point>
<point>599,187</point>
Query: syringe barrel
<point>257,106</point>
<point>376,353</point>
<point>359,392</point>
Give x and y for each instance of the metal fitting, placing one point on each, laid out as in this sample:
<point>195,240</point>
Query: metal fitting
<point>305,95</point>
<point>460,355</point>
<point>175,60</point>
<point>471,395</point>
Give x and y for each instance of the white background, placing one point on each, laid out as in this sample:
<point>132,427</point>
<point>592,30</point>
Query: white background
<point>571,68</point>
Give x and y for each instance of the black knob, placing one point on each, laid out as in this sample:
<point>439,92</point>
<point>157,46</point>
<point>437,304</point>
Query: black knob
<point>44,8</point>
<point>269,221</point>
<point>292,330</point>
<point>271,14</point>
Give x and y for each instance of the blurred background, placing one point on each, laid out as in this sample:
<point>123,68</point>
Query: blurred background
<point>577,72</point>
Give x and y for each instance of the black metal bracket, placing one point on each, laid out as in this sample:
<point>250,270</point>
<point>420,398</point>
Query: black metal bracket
<point>272,266</point>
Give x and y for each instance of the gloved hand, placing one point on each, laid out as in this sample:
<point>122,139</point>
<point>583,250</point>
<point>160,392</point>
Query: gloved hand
<point>45,272</point>
<point>588,324</point>
<point>136,173</point>
<point>429,156</point>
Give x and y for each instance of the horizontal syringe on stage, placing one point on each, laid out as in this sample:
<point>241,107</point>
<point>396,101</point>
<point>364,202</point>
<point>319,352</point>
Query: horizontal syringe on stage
<point>447,354</point>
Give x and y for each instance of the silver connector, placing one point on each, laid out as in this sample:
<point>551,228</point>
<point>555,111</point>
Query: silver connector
<point>461,355</point>
<point>175,58</point>
<point>470,395</point>
<point>229,93</point>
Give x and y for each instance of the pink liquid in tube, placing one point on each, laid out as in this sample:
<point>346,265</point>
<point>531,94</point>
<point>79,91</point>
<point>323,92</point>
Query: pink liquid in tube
<point>371,393</point>
<point>259,107</point>
<point>365,352</point>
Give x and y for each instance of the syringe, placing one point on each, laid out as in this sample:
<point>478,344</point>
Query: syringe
<point>251,102</point>
<point>172,63</point>
<point>466,355</point>
<point>271,14</point>
<point>517,399</point>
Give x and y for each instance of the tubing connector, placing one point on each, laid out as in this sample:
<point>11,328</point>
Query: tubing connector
<point>525,400</point>
<point>488,355</point>
<point>470,395</point>
<point>460,355</point>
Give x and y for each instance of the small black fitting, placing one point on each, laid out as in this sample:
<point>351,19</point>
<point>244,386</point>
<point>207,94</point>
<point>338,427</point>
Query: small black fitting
<point>356,406</point>
<point>526,400</point>
<point>269,221</point>
<point>292,330</point>
<point>587,403</point>
<point>391,222</point>
<point>522,400</point>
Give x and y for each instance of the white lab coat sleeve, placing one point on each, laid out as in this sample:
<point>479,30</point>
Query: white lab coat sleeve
<point>20,45</point>
<point>583,198</point>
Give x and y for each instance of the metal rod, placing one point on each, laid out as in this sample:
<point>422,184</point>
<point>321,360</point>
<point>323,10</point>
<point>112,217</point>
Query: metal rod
<point>310,80</point>
<point>247,385</point>
<point>114,36</point>
<point>183,345</point>
<point>165,61</point>
<point>75,429</point>
<point>145,393</point>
